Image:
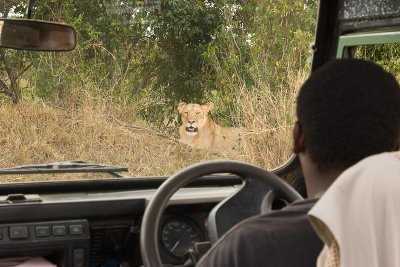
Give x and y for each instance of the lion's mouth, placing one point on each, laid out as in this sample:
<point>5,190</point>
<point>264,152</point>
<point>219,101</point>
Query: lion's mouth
<point>192,129</point>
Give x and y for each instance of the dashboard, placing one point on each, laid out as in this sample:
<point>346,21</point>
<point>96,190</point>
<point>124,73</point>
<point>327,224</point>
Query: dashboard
<point>102,228</point>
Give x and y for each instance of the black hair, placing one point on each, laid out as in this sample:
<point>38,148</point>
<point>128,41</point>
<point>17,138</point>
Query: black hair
<point>349,109</point>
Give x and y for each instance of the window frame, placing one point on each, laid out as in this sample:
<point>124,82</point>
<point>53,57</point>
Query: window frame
<point>370,38</point>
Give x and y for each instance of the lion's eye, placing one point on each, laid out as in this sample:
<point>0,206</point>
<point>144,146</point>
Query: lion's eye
<point>185,113</point>
<point>197,113</point>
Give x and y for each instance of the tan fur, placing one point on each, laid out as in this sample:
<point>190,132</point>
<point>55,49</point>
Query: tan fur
<point>200,131</point>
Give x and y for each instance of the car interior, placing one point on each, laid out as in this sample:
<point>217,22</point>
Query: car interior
<point>160,221</point>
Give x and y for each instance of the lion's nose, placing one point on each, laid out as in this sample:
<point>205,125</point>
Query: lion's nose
<point>191,122</point>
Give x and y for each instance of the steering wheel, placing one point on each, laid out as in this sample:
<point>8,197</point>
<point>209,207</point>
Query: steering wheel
<point>259,186</point>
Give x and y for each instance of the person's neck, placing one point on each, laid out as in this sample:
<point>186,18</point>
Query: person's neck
<point>317,182</point>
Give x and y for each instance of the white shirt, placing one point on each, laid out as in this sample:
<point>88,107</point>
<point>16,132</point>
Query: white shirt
<point>361,212</point>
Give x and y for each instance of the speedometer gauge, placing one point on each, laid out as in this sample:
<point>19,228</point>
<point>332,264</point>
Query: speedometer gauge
<point>179,234</point>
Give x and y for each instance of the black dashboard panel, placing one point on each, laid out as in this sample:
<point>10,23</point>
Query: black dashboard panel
<point>99,228</point>
<point>65,243</point>
<point>70,210</point>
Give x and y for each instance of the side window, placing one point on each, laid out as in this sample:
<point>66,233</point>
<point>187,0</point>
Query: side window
<point>382,48</point>
<point>386,55</point>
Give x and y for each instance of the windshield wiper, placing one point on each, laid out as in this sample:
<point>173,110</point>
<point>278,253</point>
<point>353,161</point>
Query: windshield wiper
<point>65,167</point>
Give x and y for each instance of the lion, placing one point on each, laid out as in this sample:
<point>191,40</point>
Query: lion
<point>198,130</point>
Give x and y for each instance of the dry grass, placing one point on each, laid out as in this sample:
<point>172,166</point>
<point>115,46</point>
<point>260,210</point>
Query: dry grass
<point>269,118</point>
<point>33,133</point>
<point>93,129</point>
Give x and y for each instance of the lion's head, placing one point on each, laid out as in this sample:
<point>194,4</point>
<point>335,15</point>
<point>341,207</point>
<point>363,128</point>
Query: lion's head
<point>194,116</point>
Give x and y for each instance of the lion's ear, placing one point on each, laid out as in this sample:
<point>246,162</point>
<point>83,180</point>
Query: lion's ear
<point>207,107</point>
<point>181,106</point>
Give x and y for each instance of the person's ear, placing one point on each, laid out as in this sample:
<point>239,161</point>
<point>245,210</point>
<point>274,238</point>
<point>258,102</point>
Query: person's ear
<point>397,145</point>
<point>298,138</point>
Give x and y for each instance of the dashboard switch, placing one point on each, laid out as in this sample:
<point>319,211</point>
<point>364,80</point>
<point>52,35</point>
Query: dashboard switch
<point>76,229</point>
<point>78,257</point>
<point>42,231</point>
<point>19,232</point>
<point>59,230</point>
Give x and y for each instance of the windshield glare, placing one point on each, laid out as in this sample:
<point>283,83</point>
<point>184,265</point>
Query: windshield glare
<point>156,85</point>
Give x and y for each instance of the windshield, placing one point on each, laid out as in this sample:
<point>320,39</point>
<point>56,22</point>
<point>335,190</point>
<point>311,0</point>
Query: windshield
<point>156,85</point>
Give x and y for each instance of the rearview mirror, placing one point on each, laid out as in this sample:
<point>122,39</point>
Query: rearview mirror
<point>36,35</point>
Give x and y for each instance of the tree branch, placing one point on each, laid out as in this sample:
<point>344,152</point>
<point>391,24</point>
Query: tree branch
<point>24,70</point>
<point>11,75</point>
<point>5,89</point>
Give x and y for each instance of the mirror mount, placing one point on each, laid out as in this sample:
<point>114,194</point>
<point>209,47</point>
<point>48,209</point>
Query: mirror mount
<point>29,7</point>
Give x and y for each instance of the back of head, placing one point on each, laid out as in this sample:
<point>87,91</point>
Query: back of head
<point>349,109</point>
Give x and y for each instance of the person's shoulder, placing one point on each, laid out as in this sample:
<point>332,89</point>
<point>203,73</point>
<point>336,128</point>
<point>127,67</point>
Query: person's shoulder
<point>298,209</point>
<point>305,204</point>
<point>284,219</point>
<point>245,243</point>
